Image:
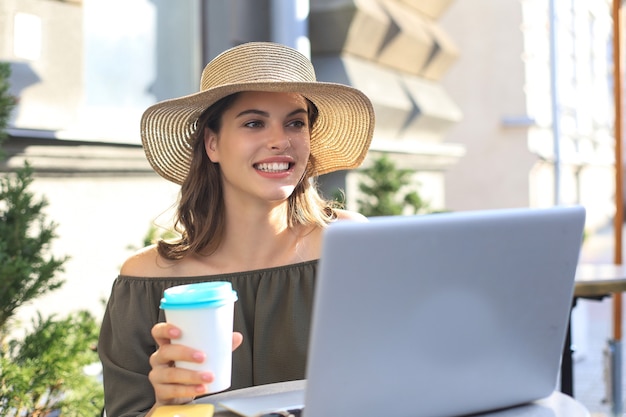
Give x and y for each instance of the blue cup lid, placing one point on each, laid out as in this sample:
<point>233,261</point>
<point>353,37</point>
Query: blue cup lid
<point>199,295</point>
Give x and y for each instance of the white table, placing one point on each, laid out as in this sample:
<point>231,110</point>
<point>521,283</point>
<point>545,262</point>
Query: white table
<point>556,405</point>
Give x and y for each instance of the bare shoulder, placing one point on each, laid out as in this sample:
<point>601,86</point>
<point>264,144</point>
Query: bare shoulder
<point>311,241</point>
<point>147,263</point>
<point>350,215</point>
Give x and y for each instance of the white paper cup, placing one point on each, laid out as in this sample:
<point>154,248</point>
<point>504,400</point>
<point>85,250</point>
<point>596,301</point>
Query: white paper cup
<point>204,314</point>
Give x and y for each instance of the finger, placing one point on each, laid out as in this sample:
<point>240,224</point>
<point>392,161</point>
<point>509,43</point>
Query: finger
<point>164,332</point>
<point>237,340</point>
<point>169,353</point>
<point>172,375</point>
<point>177,384</point>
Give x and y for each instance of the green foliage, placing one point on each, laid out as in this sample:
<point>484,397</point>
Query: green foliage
<point>385,191</point>
<point>25,236</point>
<point>7,101</point>
<point>45,371</point>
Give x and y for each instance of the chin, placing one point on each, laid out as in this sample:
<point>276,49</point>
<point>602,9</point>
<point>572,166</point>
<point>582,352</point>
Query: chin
<point>282,194</point>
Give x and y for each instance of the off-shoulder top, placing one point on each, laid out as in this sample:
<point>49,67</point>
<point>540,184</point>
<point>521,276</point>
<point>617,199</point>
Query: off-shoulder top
<point>273,313</point>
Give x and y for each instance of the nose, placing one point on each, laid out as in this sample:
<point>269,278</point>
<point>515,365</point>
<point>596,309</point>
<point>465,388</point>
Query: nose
<point>279,141</point>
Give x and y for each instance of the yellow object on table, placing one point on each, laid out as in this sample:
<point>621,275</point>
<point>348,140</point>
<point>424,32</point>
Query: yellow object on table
<point>186,410</point>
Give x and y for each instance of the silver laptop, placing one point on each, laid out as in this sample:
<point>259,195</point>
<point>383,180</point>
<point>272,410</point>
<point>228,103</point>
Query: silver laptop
<point>440,315</point>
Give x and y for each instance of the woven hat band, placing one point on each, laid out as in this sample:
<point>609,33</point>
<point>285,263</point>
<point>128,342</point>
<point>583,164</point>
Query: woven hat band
<point>280,64</point>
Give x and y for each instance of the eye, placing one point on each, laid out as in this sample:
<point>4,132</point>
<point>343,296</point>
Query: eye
<point>299,124</point>
<point>254,124</point>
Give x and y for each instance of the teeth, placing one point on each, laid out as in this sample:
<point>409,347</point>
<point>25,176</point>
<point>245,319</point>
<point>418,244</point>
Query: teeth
<point>273,166</point>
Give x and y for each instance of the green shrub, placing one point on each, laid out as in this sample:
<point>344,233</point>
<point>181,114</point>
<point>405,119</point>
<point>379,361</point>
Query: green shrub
<point>7,101</point>
<point>387,192</point>
<point>26,271</point>
<point>43,371</point>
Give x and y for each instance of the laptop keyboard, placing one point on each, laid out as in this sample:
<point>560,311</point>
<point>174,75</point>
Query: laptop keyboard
<point>297,412</point>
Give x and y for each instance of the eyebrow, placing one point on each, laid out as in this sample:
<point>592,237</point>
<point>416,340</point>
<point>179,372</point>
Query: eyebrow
<point>266,114</point>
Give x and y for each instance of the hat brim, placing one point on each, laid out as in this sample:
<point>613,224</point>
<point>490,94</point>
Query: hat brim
<point>340,137</point>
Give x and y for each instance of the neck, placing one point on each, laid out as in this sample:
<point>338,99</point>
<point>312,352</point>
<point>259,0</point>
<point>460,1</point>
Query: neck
<point>257,237</point>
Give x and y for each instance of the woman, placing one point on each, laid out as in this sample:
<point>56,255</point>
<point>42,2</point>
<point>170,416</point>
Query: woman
<point>246,150</point>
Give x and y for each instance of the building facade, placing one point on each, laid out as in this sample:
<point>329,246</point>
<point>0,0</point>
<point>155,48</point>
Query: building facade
<point>512,114</point>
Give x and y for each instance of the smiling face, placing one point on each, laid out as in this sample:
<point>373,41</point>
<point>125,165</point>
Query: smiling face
<point>263,145</point>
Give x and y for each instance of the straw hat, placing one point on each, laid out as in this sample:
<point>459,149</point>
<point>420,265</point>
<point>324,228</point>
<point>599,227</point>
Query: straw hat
<point>340,137</point>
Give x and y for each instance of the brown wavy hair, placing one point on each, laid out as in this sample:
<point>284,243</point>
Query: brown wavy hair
<point>200,218</point>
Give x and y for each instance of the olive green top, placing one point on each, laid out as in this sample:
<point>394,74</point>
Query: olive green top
<point>273,313</point>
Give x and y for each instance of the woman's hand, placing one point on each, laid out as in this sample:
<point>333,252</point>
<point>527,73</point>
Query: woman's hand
<point>177,385</point>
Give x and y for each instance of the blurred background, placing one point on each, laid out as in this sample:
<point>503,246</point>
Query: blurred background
<point>488,104</point>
